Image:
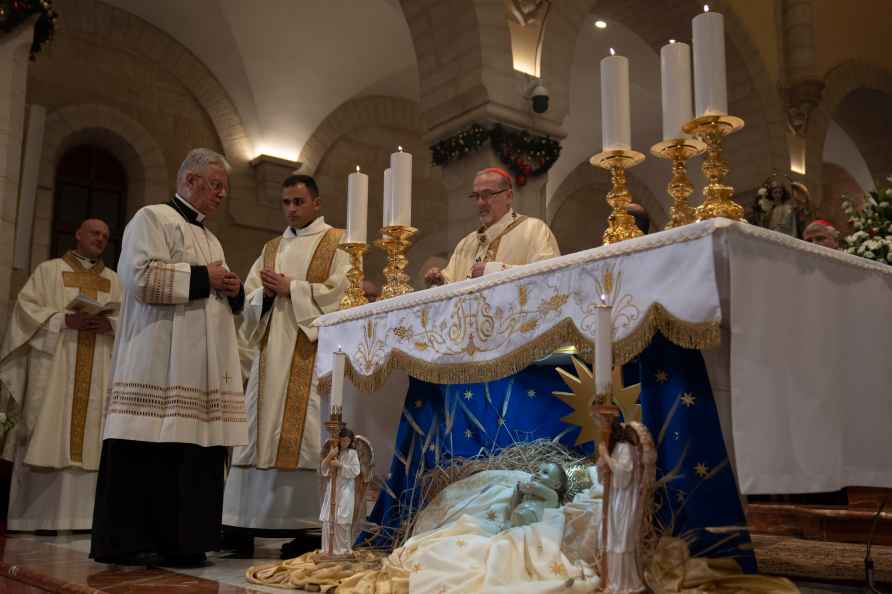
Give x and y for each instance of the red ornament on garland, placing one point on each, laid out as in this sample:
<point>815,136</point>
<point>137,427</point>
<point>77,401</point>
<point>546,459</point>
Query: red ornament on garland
<point>521,180</point>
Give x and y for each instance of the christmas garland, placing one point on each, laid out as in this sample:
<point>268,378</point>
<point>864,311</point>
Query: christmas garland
<point>525,155</point>
<point>15,12</point>
<point>456,147</point>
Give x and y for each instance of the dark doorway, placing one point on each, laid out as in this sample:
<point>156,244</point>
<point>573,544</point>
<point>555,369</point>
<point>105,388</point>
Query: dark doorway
<point>90,183</point>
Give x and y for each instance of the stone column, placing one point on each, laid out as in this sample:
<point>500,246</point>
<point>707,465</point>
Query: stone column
<point>28,187</point>
<point>804,84</point>
<point>13,77</point>
<point>803,87</point>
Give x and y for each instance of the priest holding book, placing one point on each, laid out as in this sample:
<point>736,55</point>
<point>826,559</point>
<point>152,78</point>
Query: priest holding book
<point>54,368</point>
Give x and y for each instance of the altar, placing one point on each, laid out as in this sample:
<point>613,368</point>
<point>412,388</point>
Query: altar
<point>793,336</point>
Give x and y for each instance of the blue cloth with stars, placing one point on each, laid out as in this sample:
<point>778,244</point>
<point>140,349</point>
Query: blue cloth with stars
<point>441,422</point>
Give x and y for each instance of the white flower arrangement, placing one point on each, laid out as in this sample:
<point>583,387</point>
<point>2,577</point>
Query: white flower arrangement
<point>872,225</point>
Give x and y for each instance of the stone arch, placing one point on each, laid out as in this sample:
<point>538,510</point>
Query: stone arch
<point>142,158</point>
<point>365,131</point>
<point>843,83</point>
<point>390,112</point>
<point>110,26</point>
<point>751,94</point>
<point>584,193</point>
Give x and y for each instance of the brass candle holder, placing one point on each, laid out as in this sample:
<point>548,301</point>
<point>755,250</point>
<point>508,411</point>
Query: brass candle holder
<point>396,241</point>
<point>718,199</point>
<point>679,150</point>
<point>620,224</point>
<point>354,295</point>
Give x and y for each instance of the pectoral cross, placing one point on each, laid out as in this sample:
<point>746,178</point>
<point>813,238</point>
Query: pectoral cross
<point>89,283</point>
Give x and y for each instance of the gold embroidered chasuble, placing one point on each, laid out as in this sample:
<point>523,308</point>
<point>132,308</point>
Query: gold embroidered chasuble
<point>513,240</point>
<point>176,370</point>
<point>283,404</point>
<point>55,378</point>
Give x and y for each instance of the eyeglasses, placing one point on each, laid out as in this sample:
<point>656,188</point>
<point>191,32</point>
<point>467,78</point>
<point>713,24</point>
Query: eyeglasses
<point>215,184</point>
<point>485,195</point>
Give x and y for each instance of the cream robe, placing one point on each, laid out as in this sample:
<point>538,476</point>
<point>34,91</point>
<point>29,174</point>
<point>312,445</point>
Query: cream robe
<point>176,370</point>
<point>529,240</point>
<point>259,495</point>
<point>57,438</point>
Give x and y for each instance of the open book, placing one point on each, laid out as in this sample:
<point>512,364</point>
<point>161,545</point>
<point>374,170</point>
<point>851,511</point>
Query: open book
<point>89,306</point>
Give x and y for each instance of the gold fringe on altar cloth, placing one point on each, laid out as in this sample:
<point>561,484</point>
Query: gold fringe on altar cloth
<point>671,570</point>
<point>690,335</point>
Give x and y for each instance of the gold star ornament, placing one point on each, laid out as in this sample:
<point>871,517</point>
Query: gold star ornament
<point>688,399</point>
<point>701,469</point>
<point>583,395</point>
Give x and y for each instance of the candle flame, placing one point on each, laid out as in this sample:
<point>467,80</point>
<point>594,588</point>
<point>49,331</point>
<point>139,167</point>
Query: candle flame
<point>400,148</point>
<point>357,169</point>
<point>339,349</point>
<point>671,41</point>
<point>612,52</point>
<point>603,298</point>
<point>706,8</point>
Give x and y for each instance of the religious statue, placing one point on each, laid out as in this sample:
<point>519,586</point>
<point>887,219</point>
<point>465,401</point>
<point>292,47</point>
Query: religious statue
<point>778,209</point>
<point>346,465</point>
<point>544,489</point>
<point>628,458</point>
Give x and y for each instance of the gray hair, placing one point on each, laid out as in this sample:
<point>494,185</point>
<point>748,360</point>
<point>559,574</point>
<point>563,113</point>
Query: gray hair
<point>198,160</point>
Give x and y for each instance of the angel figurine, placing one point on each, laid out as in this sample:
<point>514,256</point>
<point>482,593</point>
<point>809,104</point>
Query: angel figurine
<point>347,464</point>
<point>629,459</point>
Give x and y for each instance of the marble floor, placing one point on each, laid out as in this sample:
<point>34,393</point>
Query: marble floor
<point>42,564</point>
<point>46,561</point>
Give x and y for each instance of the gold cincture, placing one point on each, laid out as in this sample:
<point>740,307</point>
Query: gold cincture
<point>679,150</point>
<point>396,241</point>
<point>718,199</point>
<point>620,225</point>
<point>354,295</point>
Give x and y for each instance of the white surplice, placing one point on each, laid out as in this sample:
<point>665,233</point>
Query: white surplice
<point>56,440</point>
<point>261,491</point>
<point>513,240</point>
<point>176,369</point>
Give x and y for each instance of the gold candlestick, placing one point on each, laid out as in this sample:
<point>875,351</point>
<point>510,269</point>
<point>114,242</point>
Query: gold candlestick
<point>354,295</point>
<point>620,224</point>
<point>396,241</point>
<point>718,198</point>
<point>679,150</point>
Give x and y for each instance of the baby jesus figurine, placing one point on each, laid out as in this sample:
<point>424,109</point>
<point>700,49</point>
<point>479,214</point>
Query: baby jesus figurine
<point>544,489</point>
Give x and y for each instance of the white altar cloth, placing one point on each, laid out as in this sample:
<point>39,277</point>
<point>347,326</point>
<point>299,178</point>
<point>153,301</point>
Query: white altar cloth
<point>801,377</point>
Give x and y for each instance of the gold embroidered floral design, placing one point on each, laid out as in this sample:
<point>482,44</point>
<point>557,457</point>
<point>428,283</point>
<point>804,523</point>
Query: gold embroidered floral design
<point>370,349</point>
<point>474,326</point>
<point>404,333</point>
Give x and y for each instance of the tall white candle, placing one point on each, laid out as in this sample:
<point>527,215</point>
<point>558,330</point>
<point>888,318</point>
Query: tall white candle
<point>604,349</point>
<point>710,77</point>
<point>337,378</point>
<point>357,206</point>
<point>388,197</point>
<point>616,118</point>
<point>401,187</point>
<point>675,71</point>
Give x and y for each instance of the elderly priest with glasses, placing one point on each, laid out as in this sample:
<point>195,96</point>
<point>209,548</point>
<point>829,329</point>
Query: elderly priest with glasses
<point>504,239</point>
